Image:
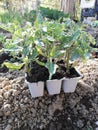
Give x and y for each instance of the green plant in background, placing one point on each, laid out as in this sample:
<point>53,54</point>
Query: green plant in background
<point>51,14</point>
<point>10,17</point>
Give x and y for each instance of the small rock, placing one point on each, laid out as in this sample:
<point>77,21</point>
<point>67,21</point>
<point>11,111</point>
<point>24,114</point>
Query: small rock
<point>7,109</point>
<point>5,83</point>
<point>1,98</point>
<point>1,91</point>
<point>84,88</point>
<point>9,127</point>
<point>52,127</point>
<point>7,88</point>
<point>16,108</point>
<point>26,100</point>
<point>23,107</point>
<point>96,122</point>
<point>7,94</point>
<point>1,113</point>
<point>80,124</point>
<point>10,121</point>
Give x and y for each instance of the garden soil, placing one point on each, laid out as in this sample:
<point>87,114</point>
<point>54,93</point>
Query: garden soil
<point>72,111</point>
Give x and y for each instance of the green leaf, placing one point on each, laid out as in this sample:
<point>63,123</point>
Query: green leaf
<point>13,66</point>
<point>40,63</point>
<point>66,46</point>
<point>74,36</point>
<point>59,54</point>
<point>33,54</point>
<point>44,29</point>
<point>51,67</point>
<point>52,52</point>
<point>39,50</point>
<point>51,39</point>
<point>26,51</point>
<point>39,43</point>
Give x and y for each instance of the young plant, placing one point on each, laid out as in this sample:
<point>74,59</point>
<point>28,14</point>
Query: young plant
<point>77,44</point>
<point>22,44</point>
<point>48,44</point>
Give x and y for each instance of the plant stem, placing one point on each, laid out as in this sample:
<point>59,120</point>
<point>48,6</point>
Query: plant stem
<point>67,58</point>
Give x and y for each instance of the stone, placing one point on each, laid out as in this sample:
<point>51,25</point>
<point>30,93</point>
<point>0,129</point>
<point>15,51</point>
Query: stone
<point>9,127</point>
<point>7,109</point>
<point>52,126</point>
<point>1,98</point>
<point>5,83</point>
<point>96,123</point>
<point>80,123</point>
<point>23,107</point>
<point>7,88</point>
<point>1,92</point>
<point>1,113</point>
<point>7,94</point>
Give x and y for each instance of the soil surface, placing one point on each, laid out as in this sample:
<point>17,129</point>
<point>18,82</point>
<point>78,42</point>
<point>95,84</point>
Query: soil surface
<point>37,73</point>
<point>79,109</point>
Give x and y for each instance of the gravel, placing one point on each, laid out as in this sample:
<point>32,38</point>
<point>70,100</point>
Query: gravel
<point>72,111</point>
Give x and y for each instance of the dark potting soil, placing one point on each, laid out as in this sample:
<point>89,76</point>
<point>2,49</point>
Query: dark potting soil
<point>59,74</point>
<point>72,73</point>
<point>95,54</point>
<point>4,56</point>
<point>62,72</point>
<point>37,73</point>
<point>40,73</point>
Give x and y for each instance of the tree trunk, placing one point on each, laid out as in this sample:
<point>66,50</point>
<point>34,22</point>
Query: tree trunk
<point>68,6</point>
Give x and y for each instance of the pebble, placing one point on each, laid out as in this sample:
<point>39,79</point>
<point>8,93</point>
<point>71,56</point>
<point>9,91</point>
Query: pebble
<point>96,122</point>
<point>1,99</point>
<point>1,113</point>
<point>7,94</point>
<point>9,127</point>
<point>80,124</point>
<point>7,109</point>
